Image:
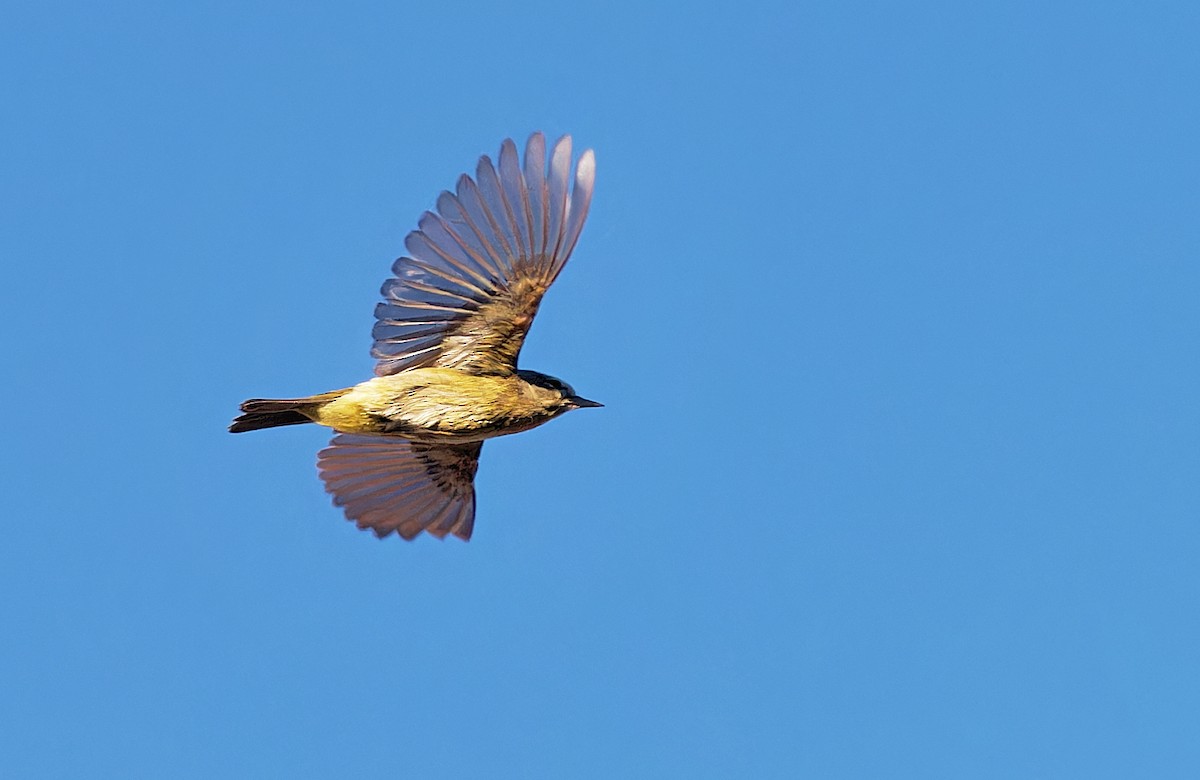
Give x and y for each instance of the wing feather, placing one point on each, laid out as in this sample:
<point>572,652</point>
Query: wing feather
<point>465,522</point>
<point>556,198</point>
<point>535,190</point>
<point>581,201</point>
<point>499,215</point>
<point>434,243</point>
<point>455,223</point>
<point>390,485</point>
<point>467,292</point>
<point>481,222</point>
<point>515,195</point>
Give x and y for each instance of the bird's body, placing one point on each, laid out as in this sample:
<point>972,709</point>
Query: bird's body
<point>427,405</point>
<point>448,333</point>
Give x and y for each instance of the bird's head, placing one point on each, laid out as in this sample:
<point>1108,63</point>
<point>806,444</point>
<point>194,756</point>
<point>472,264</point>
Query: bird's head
<point>553,393</point>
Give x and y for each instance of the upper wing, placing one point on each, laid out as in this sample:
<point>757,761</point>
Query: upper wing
<point>390,484</point>
<point>477,269</point>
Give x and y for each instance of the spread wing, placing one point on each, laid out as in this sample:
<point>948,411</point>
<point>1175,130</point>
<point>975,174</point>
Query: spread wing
<point>389,484</point>
<point>476,270</point>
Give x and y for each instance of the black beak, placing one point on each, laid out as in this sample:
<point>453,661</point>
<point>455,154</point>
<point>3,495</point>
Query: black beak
<point>583,403</point>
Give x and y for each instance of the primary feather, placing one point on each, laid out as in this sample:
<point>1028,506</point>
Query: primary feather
<point>467,292</point>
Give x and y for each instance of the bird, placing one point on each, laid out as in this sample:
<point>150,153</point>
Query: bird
<point>447,335</point>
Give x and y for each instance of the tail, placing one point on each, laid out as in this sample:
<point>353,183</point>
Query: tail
<point>258,413</point>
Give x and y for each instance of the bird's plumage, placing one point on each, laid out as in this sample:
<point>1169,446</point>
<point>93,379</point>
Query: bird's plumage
<point>477,268</point>
<point>447,336</point>
<point>371,477</point>
<point>442,406</point>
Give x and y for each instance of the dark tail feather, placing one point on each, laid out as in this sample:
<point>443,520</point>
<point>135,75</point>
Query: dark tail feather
<point>268,413</point>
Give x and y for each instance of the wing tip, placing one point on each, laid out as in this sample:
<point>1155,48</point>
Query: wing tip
<point>586,167</point>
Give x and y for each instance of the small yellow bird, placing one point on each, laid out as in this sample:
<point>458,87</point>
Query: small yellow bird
<point>447,336</point>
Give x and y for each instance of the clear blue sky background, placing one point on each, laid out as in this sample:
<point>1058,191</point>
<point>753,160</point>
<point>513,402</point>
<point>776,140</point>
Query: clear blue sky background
<point>893,308</point>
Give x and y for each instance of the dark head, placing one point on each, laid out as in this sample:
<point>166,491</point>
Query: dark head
<point>556,391</point>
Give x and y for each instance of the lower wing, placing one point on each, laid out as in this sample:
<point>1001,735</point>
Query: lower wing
<point>389,484</point>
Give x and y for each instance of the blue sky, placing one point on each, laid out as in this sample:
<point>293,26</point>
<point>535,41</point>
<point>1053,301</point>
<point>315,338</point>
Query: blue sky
<point>893,308</point>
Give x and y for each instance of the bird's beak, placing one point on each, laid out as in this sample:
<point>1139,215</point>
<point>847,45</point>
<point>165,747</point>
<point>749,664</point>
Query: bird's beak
<point>583,403</point>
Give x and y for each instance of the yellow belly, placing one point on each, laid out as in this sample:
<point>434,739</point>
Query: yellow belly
<point>435,405</point>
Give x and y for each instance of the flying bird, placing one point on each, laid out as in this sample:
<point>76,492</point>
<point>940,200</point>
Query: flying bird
<point>447,336</point>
